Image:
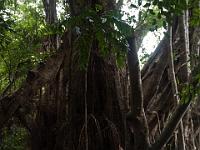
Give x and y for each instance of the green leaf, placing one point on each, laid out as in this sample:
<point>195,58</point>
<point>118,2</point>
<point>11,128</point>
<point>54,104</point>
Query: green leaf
<point>98,7</point>
<point>151,11</point>
<point>139,2</point>
<point>165,24</point>
<point>147,5</point>
<point>159,16</point>
<point>133,6</point>
<point>155,2</point>
<point>160,4</point>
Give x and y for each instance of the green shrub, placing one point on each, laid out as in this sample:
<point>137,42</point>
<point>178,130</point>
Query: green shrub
<point>14,138</point>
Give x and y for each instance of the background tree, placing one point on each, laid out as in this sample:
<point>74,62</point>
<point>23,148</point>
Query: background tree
<point>80,97</point>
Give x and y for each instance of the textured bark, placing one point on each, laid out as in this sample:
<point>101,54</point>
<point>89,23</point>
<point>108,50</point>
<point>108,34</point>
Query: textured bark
<point>102,98</point>
<point>53,42</point>
<point>35,79</point>
<point>72,108</point>
<point>50,11</point>
<point>170,127</point>
<point>137,117</point>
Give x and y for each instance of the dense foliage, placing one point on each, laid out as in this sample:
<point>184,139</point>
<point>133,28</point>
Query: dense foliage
<point>25,42</point>
<point>14,138</point>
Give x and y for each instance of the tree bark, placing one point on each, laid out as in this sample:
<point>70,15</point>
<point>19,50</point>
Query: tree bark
<point>82,109</point>
<point>137,118</point>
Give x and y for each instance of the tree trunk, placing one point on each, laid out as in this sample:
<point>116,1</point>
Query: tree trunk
<point>83,109</point>
<point>104,124</point>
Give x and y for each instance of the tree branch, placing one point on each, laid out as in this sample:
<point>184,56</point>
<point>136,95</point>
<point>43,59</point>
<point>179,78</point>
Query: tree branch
<point>171,126</point>
<point>136,118</point>
<point>182,108</point>
<point>36,78</point>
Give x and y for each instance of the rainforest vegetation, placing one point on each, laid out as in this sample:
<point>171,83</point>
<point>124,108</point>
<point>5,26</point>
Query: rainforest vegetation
<point>71,77</point>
